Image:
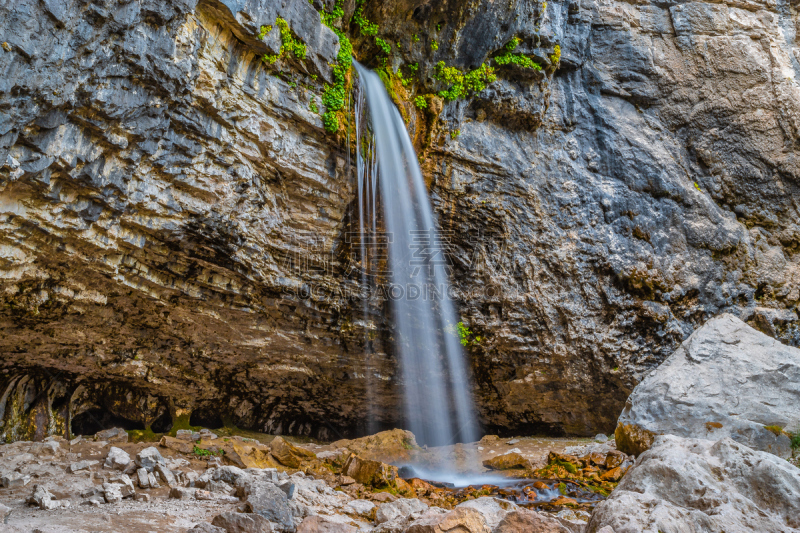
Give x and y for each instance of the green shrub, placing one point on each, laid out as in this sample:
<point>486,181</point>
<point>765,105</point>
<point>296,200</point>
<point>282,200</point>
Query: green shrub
<point>460,84</point>
<point>288,42</point>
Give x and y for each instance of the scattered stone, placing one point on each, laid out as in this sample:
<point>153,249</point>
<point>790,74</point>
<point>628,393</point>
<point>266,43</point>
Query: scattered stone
<point>126,483</point>
<point>153,482</point>
<point>600,438</point>
<point>117,458</point>
<point>142,497</point>
<point>725,380</point>
<point>149,458</point>
<point>166,475</point>
<point>15,480</point>
<point>207,434</point>
<point>81,465</point>
<point>184,434</point>
<point>94,501</point>
<point>182,493</point>
<point>112,492</point>
<point>242,523</point>
<point>512,442</point>
<point>525,521</point>
<point>44,448</point>
<point>461,519</point>
<point>322,524</point>
<point>42,498</point>
<point>4,512</point>
<point>288,454</point>
<point>359,507</point>
<point>76,440</point>
<point>399,509</point>
<point>492,509</point>
<point>700,485</point>
<point>219,487</point>
<point>507,461</point>
<point>142,478</point>
<point>114,435</point>
<point>267,500</point>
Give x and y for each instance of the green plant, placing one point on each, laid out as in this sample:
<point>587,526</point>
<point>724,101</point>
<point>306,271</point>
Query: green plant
<point>264,31</point>
<point>288,42</point>
<point>795,438</point>
<point>454,134</point>
<point>329,19</point>
<point>312,105</point>
<point>420,102</point>
<point>415,38</point>
<point>776,430</point>
<point>367,28</point>
<point>334,95</point>
<point>202,452</point>
<point>555,57</point>
<point>383,45</point>
<point>413,68</point>
<point>510,58</point>
<point>434,45</point>
<point>460,84</point>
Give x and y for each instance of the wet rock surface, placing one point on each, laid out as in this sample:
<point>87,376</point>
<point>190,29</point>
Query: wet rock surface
<point>166,195</point>
<point>726,380</point>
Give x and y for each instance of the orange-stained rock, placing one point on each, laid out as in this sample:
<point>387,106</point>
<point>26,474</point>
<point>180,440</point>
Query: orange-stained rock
<point>178,445</point>
<point>288,454</point>
<point>615,474</point>
<point>507,462</point>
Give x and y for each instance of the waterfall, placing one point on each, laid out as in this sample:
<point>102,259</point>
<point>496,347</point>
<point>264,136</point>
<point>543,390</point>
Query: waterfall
<point>436,390</point>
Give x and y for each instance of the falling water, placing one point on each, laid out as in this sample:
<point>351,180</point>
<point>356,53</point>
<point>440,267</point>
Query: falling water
<point>437,399</point>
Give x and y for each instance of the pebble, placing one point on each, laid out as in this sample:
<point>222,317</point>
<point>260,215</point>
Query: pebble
<point>601,438</point>
<point>512,441</point>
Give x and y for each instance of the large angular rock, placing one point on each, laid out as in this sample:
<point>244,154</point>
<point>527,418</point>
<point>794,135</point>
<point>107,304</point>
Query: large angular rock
<point>242,523</point>
<point>507,461</point>
<point>266,499</point>
<point>149,458</point>
<point>494,510</point>
<point>46,501</point>
<point>462,520</point>
<point>113,435</point>
<point>399,509</point>
<point>117,458</point>
<point>726,380</point>
<point>288,454</point>
<point>697,486</point>
<point>526,521</point>
<point>368,472</point>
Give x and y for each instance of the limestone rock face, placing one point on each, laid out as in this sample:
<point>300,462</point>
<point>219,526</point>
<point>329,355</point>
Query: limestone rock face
<point>726,380</point>
<point>175,224</point>
<point>695,485</point>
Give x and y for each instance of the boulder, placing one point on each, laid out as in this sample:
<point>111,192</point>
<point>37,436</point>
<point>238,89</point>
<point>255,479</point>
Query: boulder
<point>166,475</point>
<point>181,493</point>
<point>269,501</point>
<point>149,458</point>
<point>695,485</point>
<point>142,478</point>
<point>393,446</point>
<point>117,458</point>
<point>525,521</point>
<point>113,435</point>
<point>43,499</point>
<point>725,380</point>
<point>177,445</point>
<point>369,472</point>
<point>507,461</point>
<point>112,492</point>
<point>322,524</point>
<point>492,509</point>
<point>288,454</point>
<point>461,520</point>
<point>242,523</point>
<point>399,509</point>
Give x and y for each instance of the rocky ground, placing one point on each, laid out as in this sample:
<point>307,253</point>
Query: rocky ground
<point>106,483</point>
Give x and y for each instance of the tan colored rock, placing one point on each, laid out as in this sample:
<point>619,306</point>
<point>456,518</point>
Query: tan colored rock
<point>460,520</point>
<point>176,444</point>
<point>507,462</point>
<point>614,458</point>
<point>615,474</point>
<point>321,524</point>
<point>395,445</point>
<point>525,521</point>
<point>288,454</point>
<point>249,456</point>
<point>371,473</point>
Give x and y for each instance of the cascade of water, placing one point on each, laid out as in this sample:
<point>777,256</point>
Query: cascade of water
<point>436,391</point>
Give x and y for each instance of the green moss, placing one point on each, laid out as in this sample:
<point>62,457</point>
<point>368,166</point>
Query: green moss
<point>555,57</point>
<point>520,60</point>
<point>202,452</point>
<point>434,45</point>
<point>776,430</point>
<point>454,135</point>
<point>143,435</point>
<point>562,488</point>
<point>312,105</point>
<point>182,422</point>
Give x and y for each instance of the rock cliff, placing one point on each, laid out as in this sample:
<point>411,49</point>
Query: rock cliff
<point>175,220</point>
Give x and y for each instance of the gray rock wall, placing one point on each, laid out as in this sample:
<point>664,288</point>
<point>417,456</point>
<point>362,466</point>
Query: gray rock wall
<point>165,194</point>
